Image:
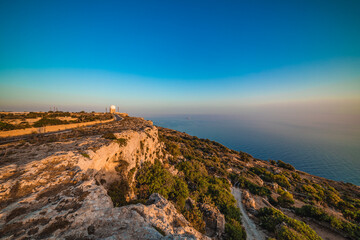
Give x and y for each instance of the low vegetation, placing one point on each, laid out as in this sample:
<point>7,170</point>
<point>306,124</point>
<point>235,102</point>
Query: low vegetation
<point>48,122</point>
<point>205,169</point>
<point>205,177</point>
<point>267,176</point>
<point>46,119</point>
<point>109,136</point>
<point>8,126</point>
<point>285,165</point>
<point>122,142</point>
<point>285,227</point>
<point>243,182</point>
<point>350,229</point>
<point>285,199</point>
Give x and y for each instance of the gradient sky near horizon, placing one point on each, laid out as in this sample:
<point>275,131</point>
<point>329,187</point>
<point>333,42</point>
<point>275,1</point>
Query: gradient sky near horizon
<point>165,57</point>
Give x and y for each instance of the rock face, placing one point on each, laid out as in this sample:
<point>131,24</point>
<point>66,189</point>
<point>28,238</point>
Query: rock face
<point>214,220</point>
<point>248,201</point>
<point>57,190</point>
<point>134,147</point>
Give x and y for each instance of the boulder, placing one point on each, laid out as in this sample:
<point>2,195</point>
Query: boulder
<point>248,201</point>
<point>214,221</point>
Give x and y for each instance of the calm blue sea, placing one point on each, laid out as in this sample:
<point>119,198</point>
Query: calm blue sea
<point>319,150</point>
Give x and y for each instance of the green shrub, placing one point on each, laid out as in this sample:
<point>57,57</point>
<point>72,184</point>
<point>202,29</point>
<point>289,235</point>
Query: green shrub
<point>352,215</point>
<point>285,199</point>
<point>286,233</point>
<point>109,135</point>
<point>201,166</point>
<point>252,187</point>
<point>285,165</point>
<point>270,218</point>
<point>270,177</point>
<point>85,154</point>
<point>195,217</point>
<point>314,192</point>
<point>296,177</point>
<point>319,214</point>
<point>156,179</point>
<point>48,122</point>
<point>122,141</point>
<point>272,162</point>
<point>234,230</point>
<point>172,148</point>
<point>332,198</point>
<point>6,126</point>
<point>118,192</point>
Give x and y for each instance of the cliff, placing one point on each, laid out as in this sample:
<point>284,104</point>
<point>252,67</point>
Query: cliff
<point>131,180</point>
<point>57,187</point>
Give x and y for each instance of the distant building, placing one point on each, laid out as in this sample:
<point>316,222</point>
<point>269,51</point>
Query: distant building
<point>112,109</point>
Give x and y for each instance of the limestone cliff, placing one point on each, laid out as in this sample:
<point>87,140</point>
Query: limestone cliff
<point>55,188</point>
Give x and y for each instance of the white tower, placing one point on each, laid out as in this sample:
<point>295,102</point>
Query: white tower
<point>112,109</point>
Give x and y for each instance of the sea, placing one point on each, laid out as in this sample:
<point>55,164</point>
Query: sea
<point>323,151</point>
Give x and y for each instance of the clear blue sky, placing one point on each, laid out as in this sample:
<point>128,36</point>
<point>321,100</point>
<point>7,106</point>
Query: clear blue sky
<point>176,55</point>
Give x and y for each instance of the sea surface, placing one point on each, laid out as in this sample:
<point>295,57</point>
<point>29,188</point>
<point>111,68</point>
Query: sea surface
<point>325,151</point>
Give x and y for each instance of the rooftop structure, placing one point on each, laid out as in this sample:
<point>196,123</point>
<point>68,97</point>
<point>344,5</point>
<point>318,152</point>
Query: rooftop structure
<point>112,109</point>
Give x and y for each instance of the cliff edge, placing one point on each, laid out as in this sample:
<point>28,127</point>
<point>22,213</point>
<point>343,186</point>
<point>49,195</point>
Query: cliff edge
<point>55,187</point>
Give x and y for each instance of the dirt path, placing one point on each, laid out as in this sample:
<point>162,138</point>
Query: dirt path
<point>251,231</point>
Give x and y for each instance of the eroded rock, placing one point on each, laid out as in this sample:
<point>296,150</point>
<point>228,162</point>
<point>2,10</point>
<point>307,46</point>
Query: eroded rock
<point>214,221</point>
<point>58,190</point>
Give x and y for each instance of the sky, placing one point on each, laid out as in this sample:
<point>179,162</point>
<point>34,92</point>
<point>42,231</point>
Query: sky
<point>188,57</point>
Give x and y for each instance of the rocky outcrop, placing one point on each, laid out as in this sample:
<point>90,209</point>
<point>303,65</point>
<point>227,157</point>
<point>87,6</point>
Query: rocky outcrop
<point>57,190</point>
<point>214,221</point>
<point>133,147</point>
<point>248,201</point>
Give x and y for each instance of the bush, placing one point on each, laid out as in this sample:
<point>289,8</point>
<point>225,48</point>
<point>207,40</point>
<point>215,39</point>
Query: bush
<point>285,199</point>
<point>269,177</point>
<point>286,233</point>
<point>110,136</point>
<point>195,217</point>
<point>201,166</point>
<point>6,126</point>
<point>234,230</point>
<point>319,214</point>
<point>118,192</point>
<point>156,179</point>
<point>252,187</point>
<point>49,122</point>
<point>84,154</point>
<point>285,165</point>
<point>172,148</point>
<point>296,177</point>
<point>317,192</point>
<point>122,142</point>
<point>270,218</point>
